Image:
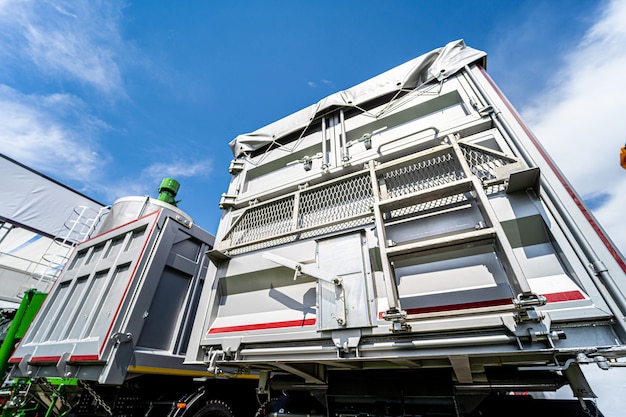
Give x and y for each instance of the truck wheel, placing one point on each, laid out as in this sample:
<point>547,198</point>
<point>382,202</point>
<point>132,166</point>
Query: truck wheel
<point>214,408</point>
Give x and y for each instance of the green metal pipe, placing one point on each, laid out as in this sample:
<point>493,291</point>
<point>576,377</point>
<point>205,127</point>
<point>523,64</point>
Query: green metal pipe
<point>25,313</point>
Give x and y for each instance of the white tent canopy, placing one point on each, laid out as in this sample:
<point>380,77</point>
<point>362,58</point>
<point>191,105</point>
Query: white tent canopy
<point>435,65</point>
<point>34,211</point>
<point>37,202</point>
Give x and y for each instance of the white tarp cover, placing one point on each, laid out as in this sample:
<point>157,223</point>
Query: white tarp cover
<point>435,65</point>
<point>34,201</point>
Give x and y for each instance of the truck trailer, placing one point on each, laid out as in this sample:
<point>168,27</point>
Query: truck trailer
<point>405,247</point>
<point>112,336</point>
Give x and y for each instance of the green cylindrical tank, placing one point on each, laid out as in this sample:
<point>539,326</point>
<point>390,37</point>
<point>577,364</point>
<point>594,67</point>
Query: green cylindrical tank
<point>168,190</point>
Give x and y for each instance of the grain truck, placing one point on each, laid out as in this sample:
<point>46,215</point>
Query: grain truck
<point>407,247</point>
<point>112,335</point>
<point>404,247</point>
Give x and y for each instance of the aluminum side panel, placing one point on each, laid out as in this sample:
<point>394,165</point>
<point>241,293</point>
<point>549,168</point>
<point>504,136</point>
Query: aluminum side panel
<point>134,287</point>
<point>79,314</point>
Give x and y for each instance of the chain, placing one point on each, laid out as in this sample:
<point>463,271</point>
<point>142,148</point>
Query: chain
<point>43,382</point>
<point>595,404</point>
<point>97,397</point>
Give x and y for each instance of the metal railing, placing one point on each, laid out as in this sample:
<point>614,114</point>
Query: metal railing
<point>347,202</point>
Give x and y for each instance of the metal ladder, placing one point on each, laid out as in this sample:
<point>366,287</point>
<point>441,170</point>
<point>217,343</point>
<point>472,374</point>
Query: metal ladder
<point>457,178</point>
<point>79,226</point>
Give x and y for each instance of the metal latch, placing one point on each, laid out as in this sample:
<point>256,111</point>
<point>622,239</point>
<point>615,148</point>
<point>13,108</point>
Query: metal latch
<point>119,338</point>
<point>310,270</point>
<point>306,161</point>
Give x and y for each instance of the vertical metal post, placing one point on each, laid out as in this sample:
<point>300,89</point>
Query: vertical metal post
<point>324,145</point>
<point>515,273</point>
<point>389,277</point>
<point>345,157</point>
<point>295,217</point>
<point>7,230</point>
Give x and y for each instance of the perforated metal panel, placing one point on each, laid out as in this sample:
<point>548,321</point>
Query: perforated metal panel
<point>338,201</point>
<point>267,220</point>
<point>437,170</point>
<point>340,205</point>
<point>484,163</point>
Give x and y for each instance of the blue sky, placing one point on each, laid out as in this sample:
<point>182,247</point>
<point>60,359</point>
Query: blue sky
<point>111,96</point>
<point>108,97</point>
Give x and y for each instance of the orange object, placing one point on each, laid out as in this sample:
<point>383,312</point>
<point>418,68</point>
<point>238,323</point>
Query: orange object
<point>622,156</point>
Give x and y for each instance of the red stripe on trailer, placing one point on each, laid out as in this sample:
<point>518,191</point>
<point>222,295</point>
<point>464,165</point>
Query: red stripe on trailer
<point>603,237</point>
<point>44,359</point>
<point>564,296</point>
<point>462,306</point>
<point>453,307</point>
<point>263,326</point>
<point>84,358</point>
<point>75,358</point>
<point>551,298</point>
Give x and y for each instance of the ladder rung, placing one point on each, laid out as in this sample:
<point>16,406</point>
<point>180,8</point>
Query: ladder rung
<point>468,239</point>
<point>424,155</point>
<point>424,196</point>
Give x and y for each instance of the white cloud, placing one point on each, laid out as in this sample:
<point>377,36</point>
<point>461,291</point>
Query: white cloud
<point>57,45</point>
<point>50,133</point>
<point>47,48</point>
<point>580,120</point>
<point>74,41</point>
<point>177,169</point>
<point>148,180</point>
<point>325,83</point>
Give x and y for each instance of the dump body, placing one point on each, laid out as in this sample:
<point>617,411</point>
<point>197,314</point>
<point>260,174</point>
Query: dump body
<point>411,222</point>
<point>124,303</point>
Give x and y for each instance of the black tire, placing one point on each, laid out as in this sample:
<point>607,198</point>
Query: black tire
<point>214,408</point>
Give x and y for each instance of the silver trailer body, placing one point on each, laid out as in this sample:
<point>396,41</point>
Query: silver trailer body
<point>410,223</point>
<point>125,302</point>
